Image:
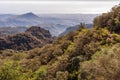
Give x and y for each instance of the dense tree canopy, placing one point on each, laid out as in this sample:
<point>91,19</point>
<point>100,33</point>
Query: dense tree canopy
<point>85,54</point>
<point>110,20</point>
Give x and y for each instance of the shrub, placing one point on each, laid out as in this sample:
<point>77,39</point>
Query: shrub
<point>41,73</point>
<point>105,65</point>
<point>110,20</point>
<point>11,71</point>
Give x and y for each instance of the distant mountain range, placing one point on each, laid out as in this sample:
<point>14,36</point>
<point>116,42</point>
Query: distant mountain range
<point>55,23</point>
<point>74,28</point>
<point>28,16</point>
<point>4,31</point>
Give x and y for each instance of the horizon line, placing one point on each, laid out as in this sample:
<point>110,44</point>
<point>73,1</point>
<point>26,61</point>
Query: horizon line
<point>44,13</point>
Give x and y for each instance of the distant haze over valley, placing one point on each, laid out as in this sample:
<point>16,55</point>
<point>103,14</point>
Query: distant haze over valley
<point>55,23</point>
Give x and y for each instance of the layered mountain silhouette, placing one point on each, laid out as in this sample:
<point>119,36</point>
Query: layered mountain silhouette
<point>55,23</point>
<point>84,54</point>
<point>74,28</point>
<point>5,31</point>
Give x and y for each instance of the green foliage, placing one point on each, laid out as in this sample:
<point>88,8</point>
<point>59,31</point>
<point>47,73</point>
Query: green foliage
<point>31,38</point>
<point>11,71</point>
<point>41,73</point>
<point>62,75</point>
<point>105,65</point>
<point>86,54</point>
<point>87,42</point>
<point>62,60</point>
<point>32,64</point>
<point>18,56</point>
<point>110,20</point>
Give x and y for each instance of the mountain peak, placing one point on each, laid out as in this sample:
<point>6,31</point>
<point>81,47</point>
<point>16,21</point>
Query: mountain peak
<point>37,31</point>
<point>29,15</point>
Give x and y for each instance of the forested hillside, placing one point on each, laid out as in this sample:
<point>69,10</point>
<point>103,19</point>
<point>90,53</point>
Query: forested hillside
<point>84,54</point>
<point>33,37</point>
<point>5,31</point>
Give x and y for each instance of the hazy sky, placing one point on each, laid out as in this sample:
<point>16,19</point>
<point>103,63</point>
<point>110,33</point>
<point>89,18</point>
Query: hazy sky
<point>56,6</point>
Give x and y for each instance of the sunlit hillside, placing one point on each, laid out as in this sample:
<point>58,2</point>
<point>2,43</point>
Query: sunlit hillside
<point>82,54</point>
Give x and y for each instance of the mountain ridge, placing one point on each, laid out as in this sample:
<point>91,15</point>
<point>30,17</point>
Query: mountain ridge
<point>84,54</point>
<point>26,40</point>
<point>29,15</point>
<point>74,28</point>
<point>56,24</point>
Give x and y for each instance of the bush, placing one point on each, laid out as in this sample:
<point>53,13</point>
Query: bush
<point>110,20</point>
<point>11,71</point>
<point>41,73</point>
<point>62,75</point>
<point>105,65</point>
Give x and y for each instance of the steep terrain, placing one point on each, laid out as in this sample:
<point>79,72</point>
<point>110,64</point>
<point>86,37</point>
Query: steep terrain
<point>4,31</point>
<point>74,28</point>
<point>31,38</point>
<point>84,54</point>
<point>110,20</point>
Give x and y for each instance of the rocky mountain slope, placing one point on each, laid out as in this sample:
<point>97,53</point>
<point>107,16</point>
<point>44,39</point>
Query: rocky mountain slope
<point>31,38</point>
<point>4,31</point>
<point>85,54</point>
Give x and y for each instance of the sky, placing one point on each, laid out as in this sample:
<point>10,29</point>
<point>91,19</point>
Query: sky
<point>56,6</point>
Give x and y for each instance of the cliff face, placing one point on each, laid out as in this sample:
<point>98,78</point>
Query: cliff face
<point>31,38</point>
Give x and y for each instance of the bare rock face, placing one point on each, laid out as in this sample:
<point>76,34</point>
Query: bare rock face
<point>31,38</point>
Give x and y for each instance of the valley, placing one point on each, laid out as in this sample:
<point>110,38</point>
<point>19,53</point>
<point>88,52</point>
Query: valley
<point>55,23</point>
<point>60,47</point>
